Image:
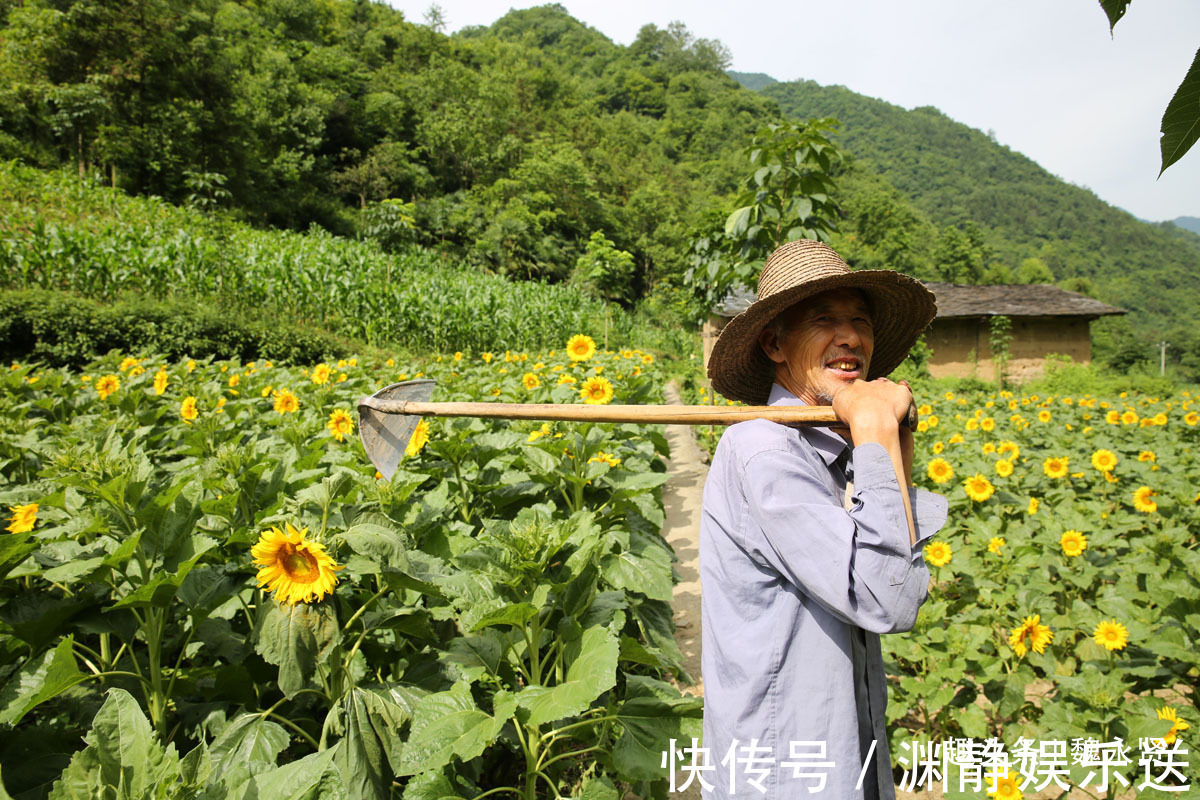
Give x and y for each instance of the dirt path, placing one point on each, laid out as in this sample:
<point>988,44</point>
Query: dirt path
<point>681,528</point>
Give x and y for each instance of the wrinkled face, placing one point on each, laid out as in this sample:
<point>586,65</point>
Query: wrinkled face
<point>826,342</point>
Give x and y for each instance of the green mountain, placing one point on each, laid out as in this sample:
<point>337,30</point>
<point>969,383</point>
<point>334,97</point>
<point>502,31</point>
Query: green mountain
<point>752,80</point>
<point>1189,223</point>
<point>1021,216</point>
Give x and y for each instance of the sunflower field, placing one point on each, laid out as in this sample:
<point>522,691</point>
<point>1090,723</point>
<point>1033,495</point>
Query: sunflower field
<point>206,590</point>
<point>1065,598</point>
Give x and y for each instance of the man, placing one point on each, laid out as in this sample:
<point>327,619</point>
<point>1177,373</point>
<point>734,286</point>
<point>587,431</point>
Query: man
<point>811,538</point>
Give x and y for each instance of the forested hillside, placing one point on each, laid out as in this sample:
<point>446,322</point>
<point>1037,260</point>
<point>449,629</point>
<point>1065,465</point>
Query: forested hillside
<point>507,148</point>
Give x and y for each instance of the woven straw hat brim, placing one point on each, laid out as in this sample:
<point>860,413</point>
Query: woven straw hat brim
<point>901,310</point>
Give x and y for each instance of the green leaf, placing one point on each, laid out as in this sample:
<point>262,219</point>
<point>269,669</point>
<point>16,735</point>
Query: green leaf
<point>599,789</point>
<point>1115,9</point>
<point>38,680</point>
<point>13,549</point>
<point>122,760</point>
<point>294,638</point>
<point>637,481</point>
<point>314,777</point>
<point>1181,120</point>
<point>369,721</point>
<point>590,675</point>
<point>247,739</point>
<point>475,655</point>
<point>383,545</point>
<point>514,614</point>
<point>648,572</point>
<point>653,714</point>
<point>448,725</point>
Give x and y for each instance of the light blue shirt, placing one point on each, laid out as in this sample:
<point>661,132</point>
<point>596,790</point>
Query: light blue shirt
<point>795,590</point>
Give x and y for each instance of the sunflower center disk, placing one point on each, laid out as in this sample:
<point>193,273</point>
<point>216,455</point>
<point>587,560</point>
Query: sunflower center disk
<point>300,566</point>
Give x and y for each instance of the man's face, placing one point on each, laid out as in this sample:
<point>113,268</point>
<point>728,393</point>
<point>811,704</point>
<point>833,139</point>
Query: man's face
<point>827,343</point>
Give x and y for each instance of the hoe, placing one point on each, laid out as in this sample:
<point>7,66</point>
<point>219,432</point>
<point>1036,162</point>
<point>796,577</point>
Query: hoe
<point>388,418</point>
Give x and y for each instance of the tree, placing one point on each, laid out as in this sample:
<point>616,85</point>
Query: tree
<point>604,270</point>
<point>787,196</point>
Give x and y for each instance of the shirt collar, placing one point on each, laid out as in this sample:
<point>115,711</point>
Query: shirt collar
<point>828,444</point>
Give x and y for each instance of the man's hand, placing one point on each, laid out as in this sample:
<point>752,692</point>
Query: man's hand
<point>873,411</point>
<point>872,407</point>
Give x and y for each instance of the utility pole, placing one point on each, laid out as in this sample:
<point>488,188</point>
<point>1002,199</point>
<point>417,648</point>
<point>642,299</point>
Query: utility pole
<point>1162,363</point>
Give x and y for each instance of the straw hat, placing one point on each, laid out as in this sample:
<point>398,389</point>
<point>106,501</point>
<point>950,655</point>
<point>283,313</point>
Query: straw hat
<point>901,308</point>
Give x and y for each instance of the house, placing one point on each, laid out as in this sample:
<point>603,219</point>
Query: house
<point>1045,320</point>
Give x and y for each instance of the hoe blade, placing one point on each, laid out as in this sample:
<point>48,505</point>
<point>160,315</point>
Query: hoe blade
<point>385,436</point>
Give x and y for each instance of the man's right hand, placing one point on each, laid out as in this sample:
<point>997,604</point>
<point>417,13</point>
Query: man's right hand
<point>872,407</point>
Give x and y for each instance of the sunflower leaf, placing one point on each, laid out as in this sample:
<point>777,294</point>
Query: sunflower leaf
<point>449,725</point>
<point>590,675</point>
<point>295,638</point>
<point>38,680</point>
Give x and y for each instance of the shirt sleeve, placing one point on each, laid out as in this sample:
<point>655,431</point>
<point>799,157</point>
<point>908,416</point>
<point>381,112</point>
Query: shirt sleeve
<point>858,563</point>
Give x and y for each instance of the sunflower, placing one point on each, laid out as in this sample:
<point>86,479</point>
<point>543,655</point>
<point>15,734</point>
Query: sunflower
<point>23,518</point>
<point>605,458</point>
<point>187,409</point>
<point>1160,418</point>
<point>487,357</point>
<point>1147,456</point>
<point>937,448</point>
<point>940,470</point>
<point>286,402</point>
<point>972,424</point>
<point>539,433</point>
<point>1129,418</point>
<point>581,347</point>
<point>1004,468</point>
<point>1177,725</point>
<point>978,488</point>
<point>419,437</point>
<point>1142,501</point>
<point>321,373</point>
<point>596,391</point>
<point>1113,417</point>
<point>1111,635</point>
<point>160,381</point>
<point>647,358</point>
<point>567,379</point>
<point>1104,460</point>
<point>956,439</point>
<point>295,569</point>
<point>938,553</point>
<point>1043,416</point>
<point>1033,506</point>
<point>458,356</point>
<point>1072,543</point>
<point>1038,635</point>
<point>1191,418</point>
<point>995,543</point>
<point>530,381</point>
<point>340,424</point>
<point>924,409</point>
<point>932,420</point>
<point>128,362</point>
<point>1007,787</point>
<point>234,379</point>
<point>1010,449</point>
<point>107,385</point>
<point>1055,467</point>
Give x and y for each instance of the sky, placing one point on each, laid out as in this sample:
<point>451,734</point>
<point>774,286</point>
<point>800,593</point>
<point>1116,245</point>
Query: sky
<point>1045,76</point>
